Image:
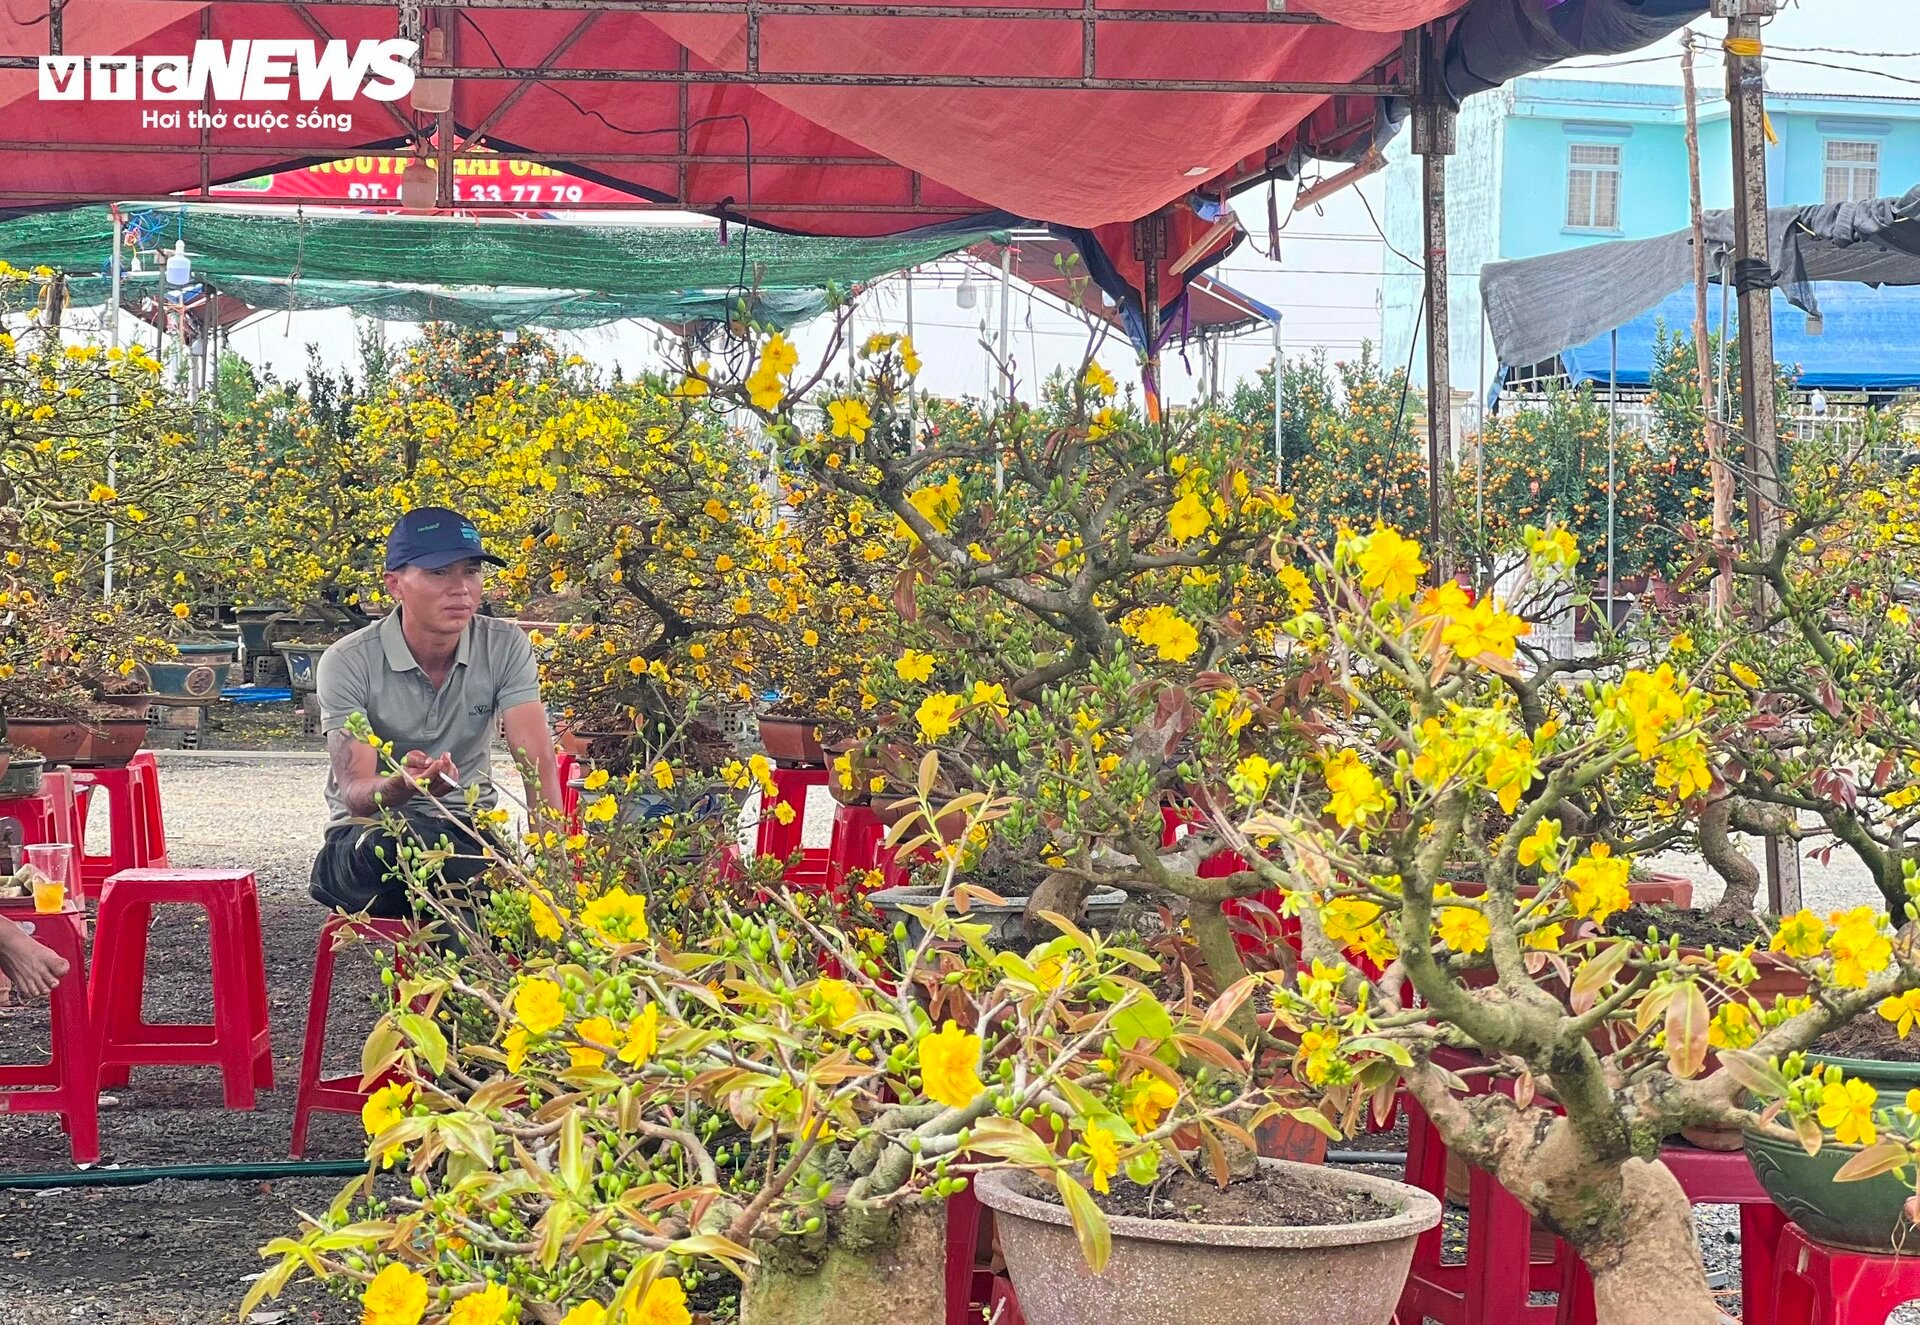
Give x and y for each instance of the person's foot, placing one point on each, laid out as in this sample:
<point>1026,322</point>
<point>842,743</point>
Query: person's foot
<point>33,970</point>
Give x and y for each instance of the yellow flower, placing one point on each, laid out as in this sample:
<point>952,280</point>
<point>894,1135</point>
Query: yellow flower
<point>1103,1155</point>
<point>1903,1010</point>
<point>1097,380</point>
<point>716,510</point>
<point>101,492</point>
<point>914,666</point>
<point>180,610</point>
<point>1252,776</point>
<point>850,419</point>
<point>1732,1027</point>
<point>596,779</point>
<point>385,1107</point>
<point>396,1296</point>
<point>515,1043</point>
<point>1745,675</point>
<point>643,1037</point>
<point>1150,1098</point>
<point>665,1303</point>
<point>492,1305</point>
<point>779,354</point>
<point>838,999</point>
<point>539,1005</point>
<point>1542,845</point>
<point>810,637</point>
<point>1165,631</point>
<point>1859,946</point>
<point>1846,1110</point>
<point>617,916</point>
<point>589,1312</point>
<point>785,812</point>
<point>1599,882</point>
<point>950,1066</point>
<point>990,694</point>
<point>1801,936</point>
<point>908,359</point>
<point>602,810</point>
<point>600,1031</point>
<point>1188,519</point>
<point>936,714</point>
<point>663,775</point>
<point>1391,565</point>
<point>1484,629</point>
<point>1355,794</point>
<point>1464,929</point>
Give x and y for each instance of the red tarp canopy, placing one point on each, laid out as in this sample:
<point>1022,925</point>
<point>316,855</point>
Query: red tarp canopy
<point>810,116</point>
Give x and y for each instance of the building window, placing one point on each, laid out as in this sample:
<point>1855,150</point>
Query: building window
<point>1593,186</point>
<point>1853,170</point>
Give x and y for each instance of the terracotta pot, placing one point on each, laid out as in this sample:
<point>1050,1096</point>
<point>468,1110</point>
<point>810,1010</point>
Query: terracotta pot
<point>57,739</point>
<point>1167,1272</point>
<point>112,742</point>
<point>793,741</point>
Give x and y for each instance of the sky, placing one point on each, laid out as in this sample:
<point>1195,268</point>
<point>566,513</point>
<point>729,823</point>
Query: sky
<point>1325,280</point>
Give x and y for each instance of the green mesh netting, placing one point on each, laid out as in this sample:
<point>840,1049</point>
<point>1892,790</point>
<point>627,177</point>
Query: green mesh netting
<point>571,274</point>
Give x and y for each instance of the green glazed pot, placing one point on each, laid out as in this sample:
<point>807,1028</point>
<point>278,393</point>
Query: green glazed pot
<point>1860,1216</point>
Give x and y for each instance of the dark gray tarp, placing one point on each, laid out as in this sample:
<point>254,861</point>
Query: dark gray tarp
<point>1496,41</point>
<point>1537,307</point>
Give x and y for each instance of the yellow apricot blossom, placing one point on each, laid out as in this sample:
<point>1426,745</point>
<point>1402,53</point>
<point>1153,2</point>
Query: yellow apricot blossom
<point>950,1066</point>
<point>395,1296</point>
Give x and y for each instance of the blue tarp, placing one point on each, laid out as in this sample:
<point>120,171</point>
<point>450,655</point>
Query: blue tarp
<point>1870,342</point>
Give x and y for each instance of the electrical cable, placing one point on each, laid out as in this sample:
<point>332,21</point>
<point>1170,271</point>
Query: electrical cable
<point>1417,266</point>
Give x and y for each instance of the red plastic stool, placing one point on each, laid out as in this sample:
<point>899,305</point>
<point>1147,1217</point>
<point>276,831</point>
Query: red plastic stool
<point>856,849</point>
<point>69,826</point>
<point>237,1041</point>
<point>1490,1288</point>
<point>1003,1308</point>
<point>341,1094</point>
<point>38,816</point>
<point>773,838</point>
<point>1708,1177</point>
<point>137,832</point>
<point>1819,1285</point>
<point>68,1083</point>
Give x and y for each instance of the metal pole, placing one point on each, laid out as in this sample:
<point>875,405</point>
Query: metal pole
<point>1613,439</point>
<point>1721,478</point>
<point>113,399</point>
<point>1480,454</point>
<point>913,394</point>
<point>1753,277</point>
<point>1279,393</point>
<point>1433,140</point>
<point>1006,311</point>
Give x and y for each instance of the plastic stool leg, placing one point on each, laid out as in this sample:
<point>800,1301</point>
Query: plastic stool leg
<point>1499,1253</point>
<point>1760,1230</point>
<point>253,953</point>
<point>232,1012</point>
<point>119,979</point>
<point>73,1046</point>
<point>963,1243</point>
<point>314,1051</point>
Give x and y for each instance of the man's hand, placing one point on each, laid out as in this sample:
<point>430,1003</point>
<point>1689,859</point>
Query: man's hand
<point>434,775</point>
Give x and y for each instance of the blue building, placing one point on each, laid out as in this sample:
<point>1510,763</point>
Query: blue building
<point>1548,164</point>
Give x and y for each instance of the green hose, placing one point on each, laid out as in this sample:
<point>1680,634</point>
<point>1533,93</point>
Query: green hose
<point>265,1169</point>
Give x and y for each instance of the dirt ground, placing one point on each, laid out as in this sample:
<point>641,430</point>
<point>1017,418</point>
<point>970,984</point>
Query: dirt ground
<point>181,1253</point>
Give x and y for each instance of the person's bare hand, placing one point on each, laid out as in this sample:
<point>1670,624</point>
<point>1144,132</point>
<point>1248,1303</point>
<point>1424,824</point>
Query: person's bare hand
<point>33,970</point>
<point>430,773</point>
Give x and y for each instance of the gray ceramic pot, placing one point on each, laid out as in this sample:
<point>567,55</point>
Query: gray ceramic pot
<point>1167,1273</point>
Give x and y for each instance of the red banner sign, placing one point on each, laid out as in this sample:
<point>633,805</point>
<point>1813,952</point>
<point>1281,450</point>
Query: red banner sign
<point>493,181</point>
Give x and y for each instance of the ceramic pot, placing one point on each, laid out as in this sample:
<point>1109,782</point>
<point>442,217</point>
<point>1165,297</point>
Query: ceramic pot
<point>792,741</point>
<point>1168,1272</point>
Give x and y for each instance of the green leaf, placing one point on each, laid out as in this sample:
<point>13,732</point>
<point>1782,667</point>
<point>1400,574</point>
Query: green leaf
<point>1089,1224</point>
<point>1391,1050</point>
<point>1594,975</point>
<point>1010,1139</point>
<point>712,1244</point>
<point>1688,1022</point>
<point>574,1171</point>
<point>381,1048</point>
<point>1143,1019</point>
<point>427,1038</point>
<point>1754,1072</point>
<point>1809,1133</point>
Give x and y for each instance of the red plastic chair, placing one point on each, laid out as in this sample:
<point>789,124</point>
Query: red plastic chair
<point>68,1083</point>
<point>857,835</point>
<point>1709,1178</point>
<point>38,816</point>
<point>1819,1285</point>
<point>237,1041</point>
<point>1003,1308</point>
<point>137,834</point>
<point>341,1094</point>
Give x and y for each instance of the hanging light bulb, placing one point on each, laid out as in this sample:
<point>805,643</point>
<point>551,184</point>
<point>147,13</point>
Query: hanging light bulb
<point>966,296</point>
<point>179,266</point>
<point>433,96</point>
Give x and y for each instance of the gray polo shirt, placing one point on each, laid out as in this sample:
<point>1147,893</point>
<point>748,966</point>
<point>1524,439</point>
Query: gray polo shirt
<point>372,671</point>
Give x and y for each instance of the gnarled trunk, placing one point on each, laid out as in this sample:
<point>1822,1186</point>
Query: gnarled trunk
<point>851,1279</point>
<point>1645,1263</point>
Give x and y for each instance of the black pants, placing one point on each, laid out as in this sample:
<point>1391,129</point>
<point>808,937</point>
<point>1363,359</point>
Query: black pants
<point>358,868</point>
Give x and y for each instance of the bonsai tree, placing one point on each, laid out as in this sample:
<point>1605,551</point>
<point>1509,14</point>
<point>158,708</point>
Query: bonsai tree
<point>611,1099</point>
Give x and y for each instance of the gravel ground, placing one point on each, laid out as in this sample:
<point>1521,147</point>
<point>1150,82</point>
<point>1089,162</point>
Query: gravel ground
<point>176,1252</point>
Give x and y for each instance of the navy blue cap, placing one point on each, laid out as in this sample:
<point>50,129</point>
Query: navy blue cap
<point>432,537</point>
